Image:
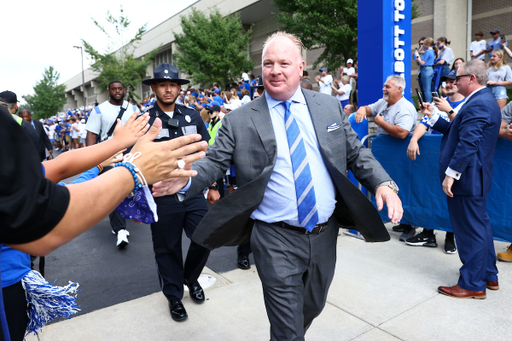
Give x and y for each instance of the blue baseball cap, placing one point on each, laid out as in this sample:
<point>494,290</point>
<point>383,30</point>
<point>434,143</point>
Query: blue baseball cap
<point>322,69</point>
<point>213,106</point>
<point>217,91</point>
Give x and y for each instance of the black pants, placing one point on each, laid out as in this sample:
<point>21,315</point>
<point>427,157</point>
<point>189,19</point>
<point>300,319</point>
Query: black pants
<point>15,311</point>
<point>173,218</point>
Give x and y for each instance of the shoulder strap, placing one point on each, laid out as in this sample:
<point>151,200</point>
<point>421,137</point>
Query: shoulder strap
<point>121,112</point>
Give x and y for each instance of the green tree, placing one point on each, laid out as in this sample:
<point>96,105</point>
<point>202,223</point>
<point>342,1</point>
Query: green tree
<point>327,24</point>
<point>213,49</point>
<point>49,96</point>
<point>118,61</point>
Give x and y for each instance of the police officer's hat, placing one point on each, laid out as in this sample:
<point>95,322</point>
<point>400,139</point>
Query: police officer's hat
<point>163,72</point>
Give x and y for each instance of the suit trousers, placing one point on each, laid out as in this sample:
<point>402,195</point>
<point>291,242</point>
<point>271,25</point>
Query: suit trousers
<point>296,270</point>
<point>473,231</point>
<point>173,218</point>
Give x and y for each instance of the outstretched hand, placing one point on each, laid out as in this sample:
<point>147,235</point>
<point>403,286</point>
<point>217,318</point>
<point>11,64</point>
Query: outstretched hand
<point>384,194</point>
<point>132,130</point>
<point>159,160</point>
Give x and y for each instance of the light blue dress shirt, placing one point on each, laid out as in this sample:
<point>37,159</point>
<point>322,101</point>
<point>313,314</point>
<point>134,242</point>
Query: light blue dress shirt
<point>279,201</point>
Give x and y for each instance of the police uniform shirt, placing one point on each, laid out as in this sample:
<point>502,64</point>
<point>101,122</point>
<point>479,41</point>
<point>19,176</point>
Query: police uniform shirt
<point>183,121</point>
<point>103,116</point>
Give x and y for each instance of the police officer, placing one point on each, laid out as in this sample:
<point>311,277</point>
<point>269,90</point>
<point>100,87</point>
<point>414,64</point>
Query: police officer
<point>174,215</point>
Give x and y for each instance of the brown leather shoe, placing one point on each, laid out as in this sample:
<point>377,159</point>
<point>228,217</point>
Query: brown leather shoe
<point>458,292</point>
<point>492,285</point>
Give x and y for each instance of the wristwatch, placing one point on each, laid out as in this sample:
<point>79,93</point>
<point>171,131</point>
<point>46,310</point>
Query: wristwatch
<point>451,112</point>
<point>391,184</point>
<point>215,187</point>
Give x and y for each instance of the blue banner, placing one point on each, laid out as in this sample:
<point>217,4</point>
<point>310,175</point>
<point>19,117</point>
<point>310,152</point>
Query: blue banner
<point>421,193</point>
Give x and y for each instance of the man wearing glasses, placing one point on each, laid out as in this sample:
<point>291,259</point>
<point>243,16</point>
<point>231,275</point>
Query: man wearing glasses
<point>466,169</point>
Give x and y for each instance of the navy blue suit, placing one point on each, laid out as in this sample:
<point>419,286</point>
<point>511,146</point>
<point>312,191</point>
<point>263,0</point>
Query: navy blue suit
<point>468,147</point>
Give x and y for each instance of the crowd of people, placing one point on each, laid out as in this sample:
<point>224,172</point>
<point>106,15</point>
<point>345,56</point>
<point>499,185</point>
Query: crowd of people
<point>268,145</point>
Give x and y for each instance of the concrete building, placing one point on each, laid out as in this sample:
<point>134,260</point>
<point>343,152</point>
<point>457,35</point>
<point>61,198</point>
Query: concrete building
<point>438,18</point>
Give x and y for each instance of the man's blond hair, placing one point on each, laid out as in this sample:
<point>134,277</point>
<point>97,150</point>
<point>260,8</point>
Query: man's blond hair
<point>295,40</point>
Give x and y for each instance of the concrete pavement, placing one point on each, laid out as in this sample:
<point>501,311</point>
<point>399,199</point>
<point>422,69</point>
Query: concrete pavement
<point>383,291</point>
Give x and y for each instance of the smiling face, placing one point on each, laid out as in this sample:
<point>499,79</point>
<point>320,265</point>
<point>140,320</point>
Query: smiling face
<point>282,68</point>
<point>495,58</point>
<point>391,92</point>
<point>166,93</point>
<point>451,87</point>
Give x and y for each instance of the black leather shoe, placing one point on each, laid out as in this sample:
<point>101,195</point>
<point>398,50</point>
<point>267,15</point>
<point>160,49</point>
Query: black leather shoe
<point>243,262</point>
<point>178,312</point>
<point>196,292</point>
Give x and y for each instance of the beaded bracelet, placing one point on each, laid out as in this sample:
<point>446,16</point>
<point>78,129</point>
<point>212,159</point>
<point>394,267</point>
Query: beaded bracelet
<point>135,171</point>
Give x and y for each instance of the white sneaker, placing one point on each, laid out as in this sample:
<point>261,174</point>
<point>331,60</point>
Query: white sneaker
<point>122,238</point>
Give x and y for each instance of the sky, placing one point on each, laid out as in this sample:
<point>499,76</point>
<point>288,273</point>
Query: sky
<point>38,34</point>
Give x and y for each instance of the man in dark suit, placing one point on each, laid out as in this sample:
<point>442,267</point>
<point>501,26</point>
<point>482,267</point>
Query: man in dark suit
<point>291,149</point>
<point>465,168</point>
<point>42,142</point>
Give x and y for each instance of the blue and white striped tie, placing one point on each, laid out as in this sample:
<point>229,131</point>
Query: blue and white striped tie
<point>304,189</point>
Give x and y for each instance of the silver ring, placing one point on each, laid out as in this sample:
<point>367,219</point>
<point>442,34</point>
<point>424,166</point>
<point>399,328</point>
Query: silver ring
<point>181,164</point>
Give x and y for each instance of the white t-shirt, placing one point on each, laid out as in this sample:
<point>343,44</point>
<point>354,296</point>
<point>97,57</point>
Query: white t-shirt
<point>82,133</point>
<point>245,77</point>
<point>246,99</point>
<point>349,71</point>
<point>346,89</point>
<point>478,46</point>
<point>325,86</point>
<point>103,116</point>
<point>74,131</point>
<point>51,131</point>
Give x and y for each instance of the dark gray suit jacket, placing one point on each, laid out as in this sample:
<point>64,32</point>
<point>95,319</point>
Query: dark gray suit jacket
<point>246,139</point>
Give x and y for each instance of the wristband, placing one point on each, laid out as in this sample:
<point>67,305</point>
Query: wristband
<point>100,168</point>
<point>215,187</point>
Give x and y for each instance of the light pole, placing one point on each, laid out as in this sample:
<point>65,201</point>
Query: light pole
<point>83,80</point>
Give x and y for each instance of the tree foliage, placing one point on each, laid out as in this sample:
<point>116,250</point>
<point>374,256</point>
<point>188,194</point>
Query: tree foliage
<point>118,61</point>
<point>49,96</point>
<point>327,24</point>
<point>213,49</point>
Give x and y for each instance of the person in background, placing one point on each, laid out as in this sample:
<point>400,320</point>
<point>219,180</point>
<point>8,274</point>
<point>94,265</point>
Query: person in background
<point>496,43</point>
<point>324,82</point>
<point>348,109</point>
<point>426,63</point>
<point>477,47</point>
<point>446,55</point>
<point>446,108</point>
<point>305,83</point>
<point>343,91</point>
<point>500,75</point>
<point>43,142</point>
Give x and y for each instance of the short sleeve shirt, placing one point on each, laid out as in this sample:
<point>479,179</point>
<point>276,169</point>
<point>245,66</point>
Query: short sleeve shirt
<point>476,47</point>
<point>30,205</point>
<point>500,75</point>
<point>506,113</point>
<point>325,86</point>
<point>447,55</point>
<point>103,116</point>
<point>346,89</point>
<point>402,114</point>
<point>496,45</point>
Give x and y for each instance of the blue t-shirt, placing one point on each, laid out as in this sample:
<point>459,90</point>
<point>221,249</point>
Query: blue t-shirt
<point>428,58</point>
<point>496,45</point>
<point>68,128</point>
